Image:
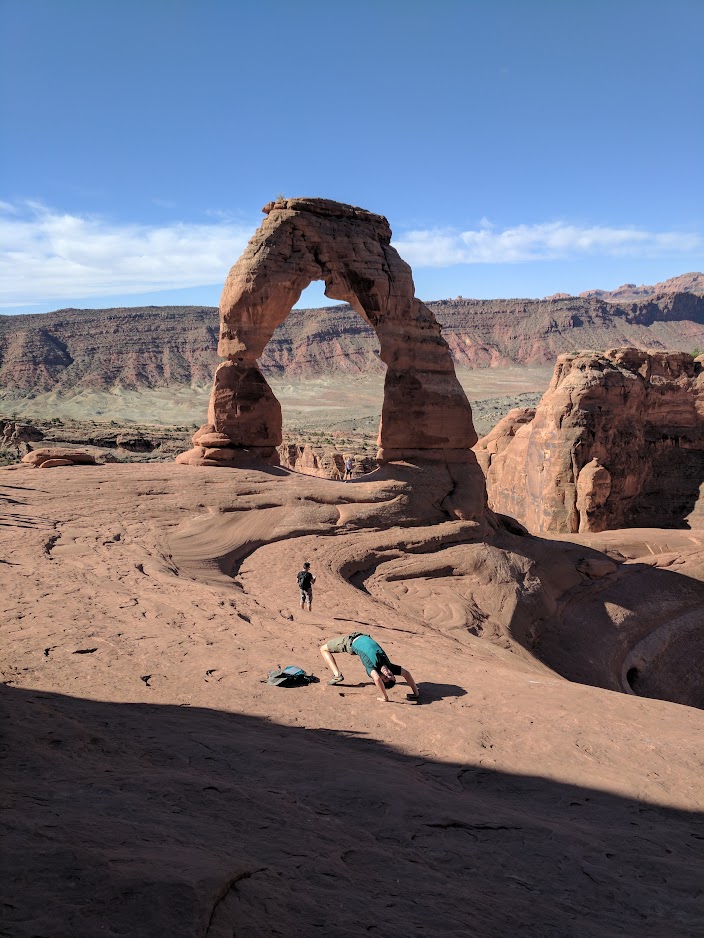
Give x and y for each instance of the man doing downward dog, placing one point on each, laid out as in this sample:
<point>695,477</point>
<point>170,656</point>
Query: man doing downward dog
<point>375,660</point>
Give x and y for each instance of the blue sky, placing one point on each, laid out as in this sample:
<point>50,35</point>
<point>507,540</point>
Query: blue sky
<point>518,147</point>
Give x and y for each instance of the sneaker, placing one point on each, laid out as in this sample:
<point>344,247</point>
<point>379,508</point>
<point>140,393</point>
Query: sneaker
<point>337,680</point>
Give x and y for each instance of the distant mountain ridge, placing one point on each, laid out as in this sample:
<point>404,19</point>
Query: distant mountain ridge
<point>686,283</point>
<point>157,347</point>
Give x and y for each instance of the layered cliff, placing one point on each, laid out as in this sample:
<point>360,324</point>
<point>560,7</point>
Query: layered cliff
<point>153,347</point>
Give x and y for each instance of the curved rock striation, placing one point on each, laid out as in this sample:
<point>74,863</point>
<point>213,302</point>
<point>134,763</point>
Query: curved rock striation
<point>144,613</point>
<point>616,441</point>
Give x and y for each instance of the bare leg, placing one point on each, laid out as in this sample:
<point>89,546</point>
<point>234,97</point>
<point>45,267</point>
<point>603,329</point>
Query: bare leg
<point>329,660</point>
<point>408,678</point>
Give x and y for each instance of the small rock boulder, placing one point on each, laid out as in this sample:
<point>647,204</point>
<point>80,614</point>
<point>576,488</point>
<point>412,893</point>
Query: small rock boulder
<point>74,456</point>
<point>208,436</point>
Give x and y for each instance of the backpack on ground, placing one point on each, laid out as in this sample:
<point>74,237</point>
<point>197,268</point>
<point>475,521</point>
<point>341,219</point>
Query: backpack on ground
<point>292,676</point>
<point>305,580</point>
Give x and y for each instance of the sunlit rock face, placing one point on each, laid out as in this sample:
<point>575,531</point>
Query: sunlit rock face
<point>616,441</point>
<point>425,414</point>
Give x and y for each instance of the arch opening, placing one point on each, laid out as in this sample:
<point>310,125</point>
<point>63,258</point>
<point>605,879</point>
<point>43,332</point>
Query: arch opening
<point>324,367</point>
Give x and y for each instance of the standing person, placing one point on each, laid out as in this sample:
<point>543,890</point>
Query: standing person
<point>305,584</point>
<point>349,466</point>
<point>375,660</point>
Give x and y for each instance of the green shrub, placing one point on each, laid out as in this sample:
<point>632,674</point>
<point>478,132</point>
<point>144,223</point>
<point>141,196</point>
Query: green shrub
<point>8,457</point>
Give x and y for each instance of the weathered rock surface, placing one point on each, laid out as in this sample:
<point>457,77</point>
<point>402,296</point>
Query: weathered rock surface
<point>142,614</point>
<point>690,283</point>
<point>16,434</point>
<point>105,442</point>
<point>58,455</point>
<point>322,462</point>
<point>496,440</point>
<point>616,441</point>
<point>206,436</point>
<point>55,463</point>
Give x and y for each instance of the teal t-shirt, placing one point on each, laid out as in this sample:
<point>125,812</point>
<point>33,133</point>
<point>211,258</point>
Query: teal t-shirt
<point>371,654</point>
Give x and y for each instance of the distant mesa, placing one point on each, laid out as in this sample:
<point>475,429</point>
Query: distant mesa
<point>616,441</point>
<point>176,347</point>
<point>686,283</point>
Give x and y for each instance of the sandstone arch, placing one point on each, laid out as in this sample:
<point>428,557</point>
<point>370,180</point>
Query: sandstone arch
<point>303,240</point>
<point>425,413</point>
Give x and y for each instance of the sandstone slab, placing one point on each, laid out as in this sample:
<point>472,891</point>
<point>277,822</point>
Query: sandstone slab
<point>195,800</point>
<point>38,456</point>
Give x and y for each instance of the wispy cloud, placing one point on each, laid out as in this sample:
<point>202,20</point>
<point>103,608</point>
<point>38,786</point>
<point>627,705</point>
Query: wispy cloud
<point>443,247</point>
<point>47,255</point>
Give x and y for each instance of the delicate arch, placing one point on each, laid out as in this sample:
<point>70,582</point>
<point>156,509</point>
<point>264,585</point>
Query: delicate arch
<point>425,410</point>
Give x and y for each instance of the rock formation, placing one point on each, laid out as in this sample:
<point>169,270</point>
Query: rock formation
<point>689,283</point>
<point>18,434</point>
<point>494,333</point>
<point>496,441</point>
<point>425,414</point>
<point>15,438</point>
<point>616,441</point>
<point>323,463</point>
<point>54,456</point>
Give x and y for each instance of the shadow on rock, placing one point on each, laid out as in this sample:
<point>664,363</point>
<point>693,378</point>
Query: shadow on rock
<point>164,820</point>
<point>430,693</point>
<point>616,617</point>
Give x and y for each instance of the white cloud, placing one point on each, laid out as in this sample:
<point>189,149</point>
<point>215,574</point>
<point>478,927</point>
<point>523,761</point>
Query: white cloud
<point>442,247</point>
<point>46,255</point>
